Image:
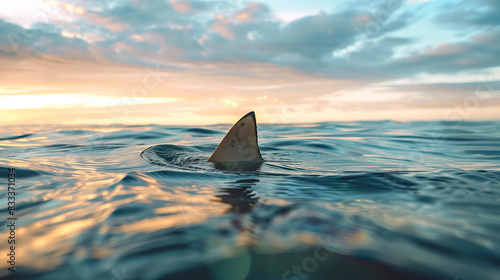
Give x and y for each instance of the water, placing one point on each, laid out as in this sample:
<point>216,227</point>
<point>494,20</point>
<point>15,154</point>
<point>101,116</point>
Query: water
<point>351,200</point>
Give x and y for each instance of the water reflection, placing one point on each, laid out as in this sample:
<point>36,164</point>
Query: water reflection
<point>240,197</point>
<point>238,166</point>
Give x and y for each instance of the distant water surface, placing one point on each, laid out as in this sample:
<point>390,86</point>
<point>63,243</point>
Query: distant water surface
<point>348,200</point>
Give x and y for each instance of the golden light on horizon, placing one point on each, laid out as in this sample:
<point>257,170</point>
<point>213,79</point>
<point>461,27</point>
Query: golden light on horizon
<point>13,102</point>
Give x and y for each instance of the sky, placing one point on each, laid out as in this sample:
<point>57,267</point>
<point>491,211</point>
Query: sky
<point>186,62</point>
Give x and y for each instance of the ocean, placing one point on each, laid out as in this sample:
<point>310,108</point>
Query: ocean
<point>333,200</point>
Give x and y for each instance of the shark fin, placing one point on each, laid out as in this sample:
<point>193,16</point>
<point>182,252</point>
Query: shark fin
<point>240,143</point>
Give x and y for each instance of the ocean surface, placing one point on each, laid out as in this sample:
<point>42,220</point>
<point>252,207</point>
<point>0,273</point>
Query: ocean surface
<point>336,200</point>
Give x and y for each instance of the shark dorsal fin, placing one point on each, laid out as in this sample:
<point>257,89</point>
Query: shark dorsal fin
<point>240,143</point>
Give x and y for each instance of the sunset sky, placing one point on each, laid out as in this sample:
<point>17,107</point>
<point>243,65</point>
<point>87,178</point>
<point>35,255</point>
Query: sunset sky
<point>204,62</point>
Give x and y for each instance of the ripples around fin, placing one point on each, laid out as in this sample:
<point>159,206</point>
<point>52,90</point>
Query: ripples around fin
<point>172,155</point>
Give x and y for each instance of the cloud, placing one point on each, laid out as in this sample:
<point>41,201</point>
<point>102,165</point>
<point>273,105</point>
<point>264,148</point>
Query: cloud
<point>478,52</point>
<point>472,14</point>
<point>197,31</point>
<point>17,42</point>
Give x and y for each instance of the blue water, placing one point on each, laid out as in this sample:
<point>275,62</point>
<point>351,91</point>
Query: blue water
<point>349,200</point>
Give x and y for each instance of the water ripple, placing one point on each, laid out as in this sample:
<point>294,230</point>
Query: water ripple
<point>379,200</point>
